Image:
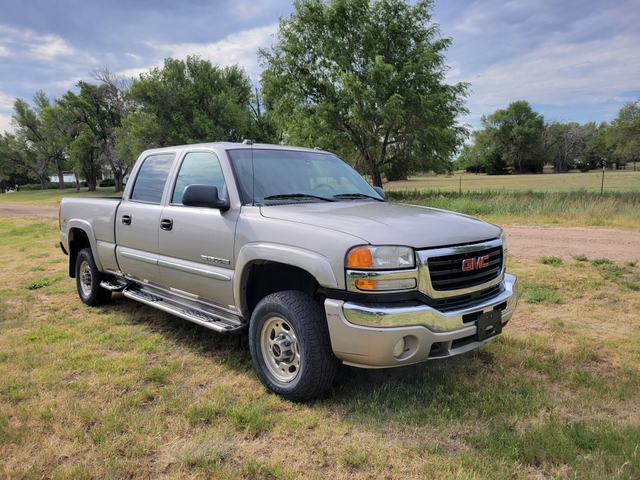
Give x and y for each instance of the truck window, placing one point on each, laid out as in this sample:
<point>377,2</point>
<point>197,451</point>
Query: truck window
<point>202,168</point>
<point>151,178</point>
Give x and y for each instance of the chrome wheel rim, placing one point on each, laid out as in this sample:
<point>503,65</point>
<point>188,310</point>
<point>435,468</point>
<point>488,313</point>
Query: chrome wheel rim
<point>85,278</point>
<point>280,349</point>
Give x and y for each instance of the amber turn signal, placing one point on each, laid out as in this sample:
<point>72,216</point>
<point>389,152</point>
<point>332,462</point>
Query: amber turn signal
<point>360,258</point>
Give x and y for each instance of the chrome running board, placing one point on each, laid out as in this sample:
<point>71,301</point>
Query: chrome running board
<point>194,310</point>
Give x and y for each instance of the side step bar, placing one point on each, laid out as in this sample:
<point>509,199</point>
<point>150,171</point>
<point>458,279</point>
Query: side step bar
<point>196,311</point>
<point>113,283</point>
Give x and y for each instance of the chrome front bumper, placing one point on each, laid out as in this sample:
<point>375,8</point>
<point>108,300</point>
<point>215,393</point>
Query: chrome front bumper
<point>365,335</point>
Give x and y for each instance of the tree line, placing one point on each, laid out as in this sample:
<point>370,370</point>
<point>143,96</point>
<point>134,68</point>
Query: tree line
<point>362,78</point>
<point>517,139</point>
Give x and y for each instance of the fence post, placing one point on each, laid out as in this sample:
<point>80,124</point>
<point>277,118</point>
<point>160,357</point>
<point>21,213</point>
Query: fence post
<point>602,184</point>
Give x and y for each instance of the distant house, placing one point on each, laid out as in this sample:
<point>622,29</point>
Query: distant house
<point>69,177</point>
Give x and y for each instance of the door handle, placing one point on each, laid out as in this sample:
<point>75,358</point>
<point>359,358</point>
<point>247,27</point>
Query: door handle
<point>166,224</point>
<point>126,219</point>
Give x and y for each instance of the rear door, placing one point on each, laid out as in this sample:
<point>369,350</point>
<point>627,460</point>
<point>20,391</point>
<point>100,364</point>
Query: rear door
<point>196,243</point>
<point>138,219</point>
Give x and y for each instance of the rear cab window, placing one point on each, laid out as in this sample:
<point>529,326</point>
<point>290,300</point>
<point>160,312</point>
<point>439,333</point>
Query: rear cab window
<point>152,178</point>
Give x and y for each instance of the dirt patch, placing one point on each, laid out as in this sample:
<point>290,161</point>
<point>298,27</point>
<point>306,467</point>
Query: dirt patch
<point>524,241</point>
<point>535,242</point>
<point>28,210</point>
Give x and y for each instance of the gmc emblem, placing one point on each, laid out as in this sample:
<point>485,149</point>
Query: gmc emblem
<point>475,263</point>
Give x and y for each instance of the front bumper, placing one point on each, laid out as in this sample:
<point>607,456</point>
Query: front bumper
<point>365,335</point>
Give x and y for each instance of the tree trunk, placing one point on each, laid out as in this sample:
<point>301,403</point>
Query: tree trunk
<point>75,174</point>
<point>376,178</point>
<point>60,174</point>
<point>43,182</point>
<point>118,176</point>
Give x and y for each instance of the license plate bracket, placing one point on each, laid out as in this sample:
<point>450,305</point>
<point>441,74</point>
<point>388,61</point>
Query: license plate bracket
<point>491,321</point>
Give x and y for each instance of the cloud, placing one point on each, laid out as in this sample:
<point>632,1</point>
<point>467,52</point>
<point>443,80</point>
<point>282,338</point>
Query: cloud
<point>6,102</point>
<point>564,74</point>
<point>50,46</point>
<point>34,46</point>
<point>5,123</point>
<point>238,48</point>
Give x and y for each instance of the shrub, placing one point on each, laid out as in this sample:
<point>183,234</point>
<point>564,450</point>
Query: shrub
<point>107,182</point>
<point>555,261</point>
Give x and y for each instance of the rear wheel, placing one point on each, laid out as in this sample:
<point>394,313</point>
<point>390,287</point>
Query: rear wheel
<point>290,346</point>
<point>88,279</point>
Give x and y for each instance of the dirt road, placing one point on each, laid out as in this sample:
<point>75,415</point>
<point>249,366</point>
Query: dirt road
<point>524,241</point>
<point>534,242</point>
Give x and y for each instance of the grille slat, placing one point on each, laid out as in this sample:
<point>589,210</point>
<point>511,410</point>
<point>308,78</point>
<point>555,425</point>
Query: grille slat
<point>446,271</point>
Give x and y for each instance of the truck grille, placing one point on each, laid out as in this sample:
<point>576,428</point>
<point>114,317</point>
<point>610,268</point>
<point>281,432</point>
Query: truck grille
<point>464,270</point>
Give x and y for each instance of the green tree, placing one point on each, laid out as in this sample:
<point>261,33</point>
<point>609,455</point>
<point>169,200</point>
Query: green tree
<point>187,102</point>
<point>365,78</point>
<point>32,148</point>
<point>624,136</point>
<point>516,137</point>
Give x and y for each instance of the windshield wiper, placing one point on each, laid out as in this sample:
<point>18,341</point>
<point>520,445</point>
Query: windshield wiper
<point>294,196</point>
<point>356,195</point>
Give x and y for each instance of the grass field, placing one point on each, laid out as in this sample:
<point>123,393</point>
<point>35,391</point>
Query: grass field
<point>52,197</point>
<point>126,391</point>
<point>614,181</point>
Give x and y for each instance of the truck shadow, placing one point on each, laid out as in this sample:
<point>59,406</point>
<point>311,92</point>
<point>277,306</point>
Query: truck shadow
<point>455,388</point>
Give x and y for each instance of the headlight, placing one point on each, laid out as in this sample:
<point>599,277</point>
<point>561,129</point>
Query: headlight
<point>384,257</point>
<point>505,249</point>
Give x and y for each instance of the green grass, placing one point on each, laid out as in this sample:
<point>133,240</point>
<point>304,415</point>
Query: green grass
<point>579,208</point>
<point>52,197</point>
<point>614,181</point>
<point>555,261</point>
<point>125,391</point>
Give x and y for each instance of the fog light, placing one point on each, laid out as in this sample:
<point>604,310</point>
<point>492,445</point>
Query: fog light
<point>399,348</point>
<point>395,284</point>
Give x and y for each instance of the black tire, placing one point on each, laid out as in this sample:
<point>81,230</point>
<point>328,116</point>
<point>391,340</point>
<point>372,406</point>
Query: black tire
<point>293,325</point>
<point>88,279</point>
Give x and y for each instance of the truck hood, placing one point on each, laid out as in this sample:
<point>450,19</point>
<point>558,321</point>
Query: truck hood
<point>388,223</point>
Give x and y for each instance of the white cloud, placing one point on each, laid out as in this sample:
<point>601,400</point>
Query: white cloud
<point>5,125</point>
<point>38,47</point>
<point>48,47</point>
<point>567,74</point>
<point>6,101</point>
<point>4,51</point>
<point>135,72</point>
<point>238,48</point>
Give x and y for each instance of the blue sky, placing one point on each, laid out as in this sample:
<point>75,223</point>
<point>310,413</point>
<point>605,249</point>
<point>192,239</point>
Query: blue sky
<point>572,60</point>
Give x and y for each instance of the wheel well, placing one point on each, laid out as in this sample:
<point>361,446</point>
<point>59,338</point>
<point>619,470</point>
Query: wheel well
<point>266,278</point>
<point>78,239</point>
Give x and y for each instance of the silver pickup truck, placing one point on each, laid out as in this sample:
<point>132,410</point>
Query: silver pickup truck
<point>295,248</point>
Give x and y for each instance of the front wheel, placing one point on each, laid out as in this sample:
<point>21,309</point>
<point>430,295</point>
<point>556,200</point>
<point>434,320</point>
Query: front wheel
<point>290,346</point>
<point>88,279</point>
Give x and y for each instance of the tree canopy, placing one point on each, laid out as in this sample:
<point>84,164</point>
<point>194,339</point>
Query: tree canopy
<point>189,102</point>
<point>365,78</point>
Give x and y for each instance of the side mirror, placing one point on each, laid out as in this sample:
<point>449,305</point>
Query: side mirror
<point>380,192</point>
<point>204,196</point>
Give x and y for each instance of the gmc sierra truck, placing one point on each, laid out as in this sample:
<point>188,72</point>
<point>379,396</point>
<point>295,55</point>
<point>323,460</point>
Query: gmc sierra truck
<point>294,248</point>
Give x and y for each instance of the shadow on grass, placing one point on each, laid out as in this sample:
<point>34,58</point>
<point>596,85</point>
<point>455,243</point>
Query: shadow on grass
<point>471,386</point>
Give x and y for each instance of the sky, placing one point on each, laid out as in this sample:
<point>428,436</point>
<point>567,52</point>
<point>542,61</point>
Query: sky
<point>572,60</point>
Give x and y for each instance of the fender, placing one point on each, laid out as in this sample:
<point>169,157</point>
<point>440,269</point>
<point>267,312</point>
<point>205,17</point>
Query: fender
<point>88,229</point>
<point>317,265</point>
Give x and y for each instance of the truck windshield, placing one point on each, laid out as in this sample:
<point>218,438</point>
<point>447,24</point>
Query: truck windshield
<point>277,176</point>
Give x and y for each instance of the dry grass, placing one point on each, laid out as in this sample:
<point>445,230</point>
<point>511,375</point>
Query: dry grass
<point>126,391</point>
<point>614,181</point>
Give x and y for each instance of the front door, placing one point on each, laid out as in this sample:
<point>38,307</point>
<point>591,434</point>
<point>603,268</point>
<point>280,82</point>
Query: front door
<point>196,243</point>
